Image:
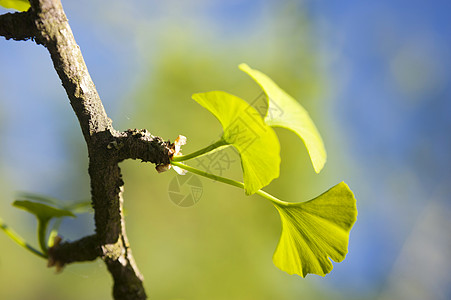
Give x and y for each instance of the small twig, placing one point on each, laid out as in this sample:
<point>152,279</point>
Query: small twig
<point>85,249</point>
<point>18,26</point>
<point>20,240</point>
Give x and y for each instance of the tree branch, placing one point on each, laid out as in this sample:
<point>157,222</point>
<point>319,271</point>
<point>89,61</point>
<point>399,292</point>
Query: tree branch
<point>46,23</point>
<point>56,35</point>
<point>18,26</point>
<point>140,144</point>
<point>84,249</point>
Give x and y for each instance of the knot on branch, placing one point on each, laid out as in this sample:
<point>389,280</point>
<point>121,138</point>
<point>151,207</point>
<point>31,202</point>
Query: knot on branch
<point>140,144</point>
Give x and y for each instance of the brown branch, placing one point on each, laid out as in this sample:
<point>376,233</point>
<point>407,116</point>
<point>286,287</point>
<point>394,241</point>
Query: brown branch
<point>56,35</point>
<point>140,144</point>
<point>46,23</point>
<point>84,249</point>
<point>18,26</point>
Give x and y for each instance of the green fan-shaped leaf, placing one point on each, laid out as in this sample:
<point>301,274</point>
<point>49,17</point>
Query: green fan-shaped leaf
<point>244,128</point>
<point>285,111</point>
<point>42,211</point>
<point>315,230</point>
<point>20,5</point>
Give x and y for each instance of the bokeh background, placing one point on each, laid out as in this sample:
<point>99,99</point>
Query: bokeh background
<point>375,76</point>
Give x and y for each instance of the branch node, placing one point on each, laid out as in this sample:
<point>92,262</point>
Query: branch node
<point>60,254</point>
<point>141,144</point>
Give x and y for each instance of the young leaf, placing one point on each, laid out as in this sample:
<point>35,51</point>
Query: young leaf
<point>79,207</point>
<point>20,5</point>
<point>42,211</point>
<point>315,230</point>
<point>285,111</point>
<point>74,207</point>
<point>243,128</point>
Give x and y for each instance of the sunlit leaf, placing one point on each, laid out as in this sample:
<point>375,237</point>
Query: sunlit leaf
<point>20,5</point>
<point>285,111</point>
<point>42,211</point>
<point>314,231</point>
<point>243,128</point>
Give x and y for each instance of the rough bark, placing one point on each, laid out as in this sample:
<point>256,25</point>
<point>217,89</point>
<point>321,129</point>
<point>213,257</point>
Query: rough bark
<point>17,26</point>
<point>46,24</point>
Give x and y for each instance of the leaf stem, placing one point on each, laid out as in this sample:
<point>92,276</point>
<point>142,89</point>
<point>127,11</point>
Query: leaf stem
<point>19,240</point>
<point>42,230</point>
<point>200,152</point>
<point>229,182</point>
<point>54,232</point>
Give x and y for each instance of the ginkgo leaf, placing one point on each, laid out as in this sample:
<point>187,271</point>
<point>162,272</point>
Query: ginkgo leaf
<point>314,231</point>
<point>42,211</point>
<point>244,128</point>
<point>285,111</point>
<point>20,5</point>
